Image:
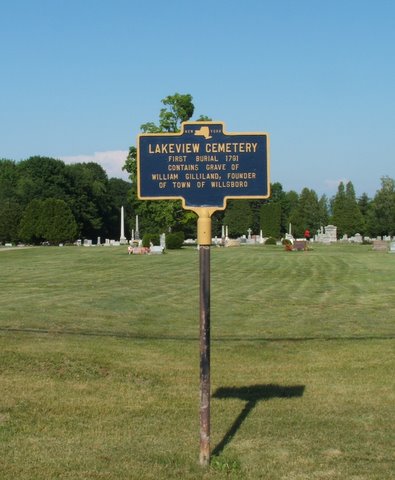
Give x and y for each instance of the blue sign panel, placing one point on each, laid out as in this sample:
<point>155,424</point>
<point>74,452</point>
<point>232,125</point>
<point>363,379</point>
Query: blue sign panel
<point>203,165</point>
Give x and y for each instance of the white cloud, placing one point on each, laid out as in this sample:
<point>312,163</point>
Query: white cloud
<point>112,162</point>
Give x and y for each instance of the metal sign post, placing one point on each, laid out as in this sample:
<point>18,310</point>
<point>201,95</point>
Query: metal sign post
<point>203,166</point>
<point>204,240</point>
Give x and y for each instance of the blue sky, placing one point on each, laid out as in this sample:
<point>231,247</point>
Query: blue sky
<point>79,77</point>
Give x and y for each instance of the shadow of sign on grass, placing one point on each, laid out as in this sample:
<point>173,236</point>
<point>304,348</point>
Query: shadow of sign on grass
<point>252,395</point>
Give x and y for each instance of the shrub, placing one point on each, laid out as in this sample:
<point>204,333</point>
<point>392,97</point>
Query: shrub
<point>149,238</point>
<point>271,241</point>
<point>174,240</point>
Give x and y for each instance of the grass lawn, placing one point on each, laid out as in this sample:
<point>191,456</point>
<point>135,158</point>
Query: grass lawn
<point>99,364</point>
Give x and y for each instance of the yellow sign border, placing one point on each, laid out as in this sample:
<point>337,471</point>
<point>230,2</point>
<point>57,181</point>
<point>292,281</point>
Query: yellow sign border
<point>203,210</point>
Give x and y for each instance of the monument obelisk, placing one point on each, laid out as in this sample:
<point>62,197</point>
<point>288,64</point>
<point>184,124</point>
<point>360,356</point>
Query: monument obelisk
<point>122,239</point>
<point>137,232</point>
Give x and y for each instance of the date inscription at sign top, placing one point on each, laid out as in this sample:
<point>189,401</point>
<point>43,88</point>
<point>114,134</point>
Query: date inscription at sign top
<point>203,165</point>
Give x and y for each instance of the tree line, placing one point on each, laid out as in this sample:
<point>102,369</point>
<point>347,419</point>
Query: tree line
<point>364,215</point>
<point>44,200</point>
<point>368,216</point>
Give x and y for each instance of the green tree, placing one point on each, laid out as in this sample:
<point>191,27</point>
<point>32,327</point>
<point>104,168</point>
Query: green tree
<point>382,213</point>
<point>57,223</point>
<point>30,227</point>
<point>323,205</point>
<point>89,199</point>
<point>10,217</point>
<point>288,208</point>
<point>238,217</point>
<point>48,220</point>
<point>42,177</point>
<point>346,214</point>
<point>306,216</point>
<point>159,216</point>
<point>9,176</point>
<point>277,195</point>
<point>178,108</point>
<point>130,166</point>
<point>271,219</point>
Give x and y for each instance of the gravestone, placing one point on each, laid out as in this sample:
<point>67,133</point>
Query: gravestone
<point>331,232</point>
<point>392,247</point>
<point>300,245</point>
<point>357,238</point>
<point>156,250</point>
<point>380,246</point>
<point>232,242</point>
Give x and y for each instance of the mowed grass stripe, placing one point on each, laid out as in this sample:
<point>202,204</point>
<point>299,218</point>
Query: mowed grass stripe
<point>256,291</point>
<point>119,409</point>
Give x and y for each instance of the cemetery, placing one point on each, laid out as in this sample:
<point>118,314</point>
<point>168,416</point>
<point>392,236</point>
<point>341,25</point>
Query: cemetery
<point>299,339</point>
<point>197,292</point>
<point>105,342</point>
<point>105,337</point>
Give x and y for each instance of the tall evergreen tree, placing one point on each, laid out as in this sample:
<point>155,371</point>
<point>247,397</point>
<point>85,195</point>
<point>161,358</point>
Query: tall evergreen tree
<point>48,220</point>
<point>271,219</point>
<point>10,217</point>
<point>288,209</point>
<point>323,205</point>
<point>238,216</point>
<point>30,229</point>
<point>365,207</point>
<point>306,215</point>
<point>355,223</point>
<point>346,214</point>
<point>382,214</point>
<point>57,222</point>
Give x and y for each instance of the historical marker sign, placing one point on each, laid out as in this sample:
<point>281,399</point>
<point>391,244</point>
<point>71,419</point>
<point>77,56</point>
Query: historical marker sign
<point>203,165</point>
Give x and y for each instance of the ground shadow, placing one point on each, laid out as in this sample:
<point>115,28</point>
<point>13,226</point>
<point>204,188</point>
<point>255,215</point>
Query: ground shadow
<point>251,395</point>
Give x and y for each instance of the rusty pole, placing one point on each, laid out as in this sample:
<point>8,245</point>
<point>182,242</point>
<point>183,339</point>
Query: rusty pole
<point>204,254</point>
<point>204,240</point>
